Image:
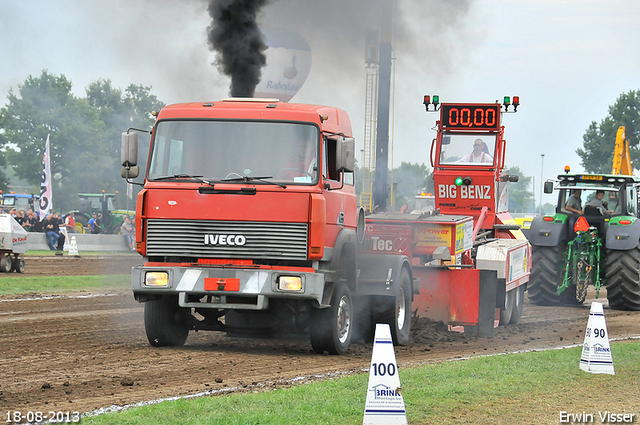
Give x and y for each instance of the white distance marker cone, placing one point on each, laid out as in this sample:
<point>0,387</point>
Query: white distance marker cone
<point>596,352</point>
<point>385,405</point>
<point>73,247</point>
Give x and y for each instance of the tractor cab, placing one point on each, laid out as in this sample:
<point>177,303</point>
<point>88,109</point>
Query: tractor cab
<point>467,157</point>
<point>602,198</point>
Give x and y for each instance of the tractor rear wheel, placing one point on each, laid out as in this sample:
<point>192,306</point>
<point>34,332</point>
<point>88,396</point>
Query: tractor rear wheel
<point>546,275</point>
<point>623,279</point>
<point>165,322</point>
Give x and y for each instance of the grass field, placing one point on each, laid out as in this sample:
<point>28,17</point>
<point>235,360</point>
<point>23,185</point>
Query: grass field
<point>11,284</point>
<point>525,388</point>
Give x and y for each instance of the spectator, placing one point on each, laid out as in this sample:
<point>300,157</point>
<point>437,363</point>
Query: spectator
<point>101,223</point>
<point>129,231</point>
<point>50,230</point>
<point>36,224</point>
<point>94,225</point>
<point>26,223</point>
<point>70,223</point>
<point>19,217</point>
<point>57,220</point>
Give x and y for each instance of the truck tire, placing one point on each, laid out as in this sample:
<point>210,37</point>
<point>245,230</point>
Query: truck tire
<point>331,328</point>
<point>165,322</point>
<point>623,279</point>
<point>398,316</point>
<point>546,275</point>
<point>507,311</point>
<point>518,305</point>
<point>363,323</point>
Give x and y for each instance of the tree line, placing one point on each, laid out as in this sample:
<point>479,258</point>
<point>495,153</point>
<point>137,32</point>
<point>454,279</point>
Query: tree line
<point>85,134</point>
<point>85,137</point>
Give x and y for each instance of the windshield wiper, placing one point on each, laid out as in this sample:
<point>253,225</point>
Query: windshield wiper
<point>184,176</point>
<point>248,179</point>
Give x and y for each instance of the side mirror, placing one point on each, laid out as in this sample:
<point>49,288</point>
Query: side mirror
<point>548,187</point>
<point>129,149</point>
<point>130,172</point>
<point>345,154</point>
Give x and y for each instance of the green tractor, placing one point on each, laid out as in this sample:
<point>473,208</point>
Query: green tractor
<point>101,202</point>
<point>600,246</point>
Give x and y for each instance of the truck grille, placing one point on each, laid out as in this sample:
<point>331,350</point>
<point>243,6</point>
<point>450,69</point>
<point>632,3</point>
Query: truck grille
<point>262,240</point>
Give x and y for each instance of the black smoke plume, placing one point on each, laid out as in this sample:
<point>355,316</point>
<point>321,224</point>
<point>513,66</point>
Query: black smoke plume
<point>235,35</point>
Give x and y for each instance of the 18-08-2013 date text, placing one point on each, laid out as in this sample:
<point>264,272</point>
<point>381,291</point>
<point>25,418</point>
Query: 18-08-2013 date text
<point>16,417</point>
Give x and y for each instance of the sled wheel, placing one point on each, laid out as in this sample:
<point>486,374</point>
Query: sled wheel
<point>507,311</point>
<point>518,305</point>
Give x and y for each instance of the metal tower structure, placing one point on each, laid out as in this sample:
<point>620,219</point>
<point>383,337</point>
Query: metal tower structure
<point>377,106</point>
<point>370,120</point>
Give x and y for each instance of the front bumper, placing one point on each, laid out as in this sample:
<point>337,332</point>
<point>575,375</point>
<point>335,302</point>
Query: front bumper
<point>251,289</point>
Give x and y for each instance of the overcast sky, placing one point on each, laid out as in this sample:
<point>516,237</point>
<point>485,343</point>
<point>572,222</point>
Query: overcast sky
<point>568,60</point>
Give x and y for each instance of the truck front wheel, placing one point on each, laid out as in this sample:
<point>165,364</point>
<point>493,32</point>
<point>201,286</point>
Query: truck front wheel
<point>165,322</point>
<point>331,328</point>
<point>623,279</point>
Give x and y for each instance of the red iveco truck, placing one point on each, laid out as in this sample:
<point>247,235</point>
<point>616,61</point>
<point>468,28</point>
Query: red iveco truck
<point>248,223</point>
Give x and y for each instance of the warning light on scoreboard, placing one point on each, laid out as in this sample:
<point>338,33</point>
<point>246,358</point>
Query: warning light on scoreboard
<point>507,102</point>
<point>428,101</point>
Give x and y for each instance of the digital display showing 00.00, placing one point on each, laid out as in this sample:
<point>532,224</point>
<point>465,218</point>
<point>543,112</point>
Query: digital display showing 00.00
<point>471,116</point>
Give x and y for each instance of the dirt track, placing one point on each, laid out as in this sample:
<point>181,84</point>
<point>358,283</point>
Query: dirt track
<point>82,352</point>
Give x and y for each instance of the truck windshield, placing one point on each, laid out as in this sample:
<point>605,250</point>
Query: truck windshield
<point>458,149</point>
<point>231,150</point>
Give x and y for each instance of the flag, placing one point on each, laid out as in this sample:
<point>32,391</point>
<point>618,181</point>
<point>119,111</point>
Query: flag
<point>45,185</point>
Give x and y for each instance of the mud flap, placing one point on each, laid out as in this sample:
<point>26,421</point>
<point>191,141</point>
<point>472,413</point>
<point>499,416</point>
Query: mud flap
<point>486,304</point>
<point>458,297</point>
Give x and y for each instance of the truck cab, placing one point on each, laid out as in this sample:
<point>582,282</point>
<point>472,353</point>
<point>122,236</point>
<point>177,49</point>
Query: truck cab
<point>248,212</point>
<point>468,157</point>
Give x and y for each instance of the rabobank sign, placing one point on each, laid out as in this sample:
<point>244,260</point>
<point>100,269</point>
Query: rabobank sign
<point>279,86</point>
<point>288,64</point>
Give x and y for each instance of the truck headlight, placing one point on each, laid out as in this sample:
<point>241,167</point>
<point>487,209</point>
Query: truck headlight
<point>290,283</point>
<point>156,279</point>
